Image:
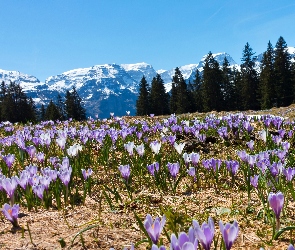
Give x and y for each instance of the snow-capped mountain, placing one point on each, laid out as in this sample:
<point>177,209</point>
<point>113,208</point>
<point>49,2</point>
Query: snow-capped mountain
<point>109,87</point>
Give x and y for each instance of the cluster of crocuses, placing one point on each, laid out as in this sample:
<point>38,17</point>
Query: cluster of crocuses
<point>43,151</point>
<point>196,235</point>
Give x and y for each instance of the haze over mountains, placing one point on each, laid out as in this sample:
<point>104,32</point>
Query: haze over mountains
<point>109,87</point>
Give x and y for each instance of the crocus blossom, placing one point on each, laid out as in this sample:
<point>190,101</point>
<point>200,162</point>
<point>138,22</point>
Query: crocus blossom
<point>229,233</point>
<point>125,171</point>
<point>11,213</point>
<point>205,233</point>
<point>154,227</point>
<point>184,241</point>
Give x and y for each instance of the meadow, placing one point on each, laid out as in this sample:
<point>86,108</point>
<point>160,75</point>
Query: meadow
<point>192,181</point>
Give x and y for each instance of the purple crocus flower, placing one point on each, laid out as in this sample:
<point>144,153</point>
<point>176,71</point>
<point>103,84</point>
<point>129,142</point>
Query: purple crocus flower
<point>254,180</point>
<point>10,185</point>
<point>154,227</point>
<point>31,150</point>
<point>173,169</point>
<point>205,233</point>
<point>289,173</point>
<point>45,181</point>
<point>65,176</point>
<point>23,179</point>
<point>155,247</point>
<point>229,233</point>
<point>291,247</point>
<point>9,159</point>
<point>154,166</point>
<point>40,157</point>
<point>125,171</point>
<point>276,202</point>
<point>184,241</point>
<point>39,190</point>
<point>87,173</point>
<point>191,171</point>
<point>34,180</point>
<point>11,213</point>
<point>250,145</point>
<point>195,157</point>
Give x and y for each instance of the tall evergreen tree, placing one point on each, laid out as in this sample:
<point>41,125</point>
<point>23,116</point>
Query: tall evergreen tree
<point>73,106</point>
<point>142,102</point>
<point>52,112</point>
<point>179,93</point>
<point>211,85</point>
<point>282,71</point>
<point>249,80</point>
<point>14,104</point>
<point>61,107</point>
<point>228,86</point>
<point>173,98</point>
<point>197,91</point>
<point>158,97</point>
<point>266,79</point>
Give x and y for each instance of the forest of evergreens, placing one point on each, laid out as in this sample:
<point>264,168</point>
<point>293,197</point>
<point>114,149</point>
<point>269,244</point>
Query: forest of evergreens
<point>15,106</point>
<point>221,87</point>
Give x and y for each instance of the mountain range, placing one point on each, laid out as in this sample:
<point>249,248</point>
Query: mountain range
<point>110,87</point>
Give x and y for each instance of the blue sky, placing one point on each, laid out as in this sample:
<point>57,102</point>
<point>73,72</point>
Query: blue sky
<point>44,38</point>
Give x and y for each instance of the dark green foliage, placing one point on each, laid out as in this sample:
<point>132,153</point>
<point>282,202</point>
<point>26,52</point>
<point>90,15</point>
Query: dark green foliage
<point>61,107</point>
<point>282,72</point>
<point>158,97</point>
<point>15,106</point>
<point>52,112</point>
<point>142,103</point>
<point>266,79</point>
<point>179,102</point>
<point>211,85</point>
<point>196,91</point>
<point>249,80</point>
<point>73,106</point>
<point>228,86</point>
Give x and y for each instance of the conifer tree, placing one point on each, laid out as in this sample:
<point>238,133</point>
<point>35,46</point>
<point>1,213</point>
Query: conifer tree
<point>266,79</point>
<point>211,85</point>
<point>73,106</point>
<point>249,80</point>
<point>61,107</point>
<point>142,102</point>
<point>173,98</point>
<point>228,86</point>
<point>282,71</point>
<point>52,112</point>
<point>179,94</point>
<point>14,104</point>
<point>197,94</point>
<point>158,97</point>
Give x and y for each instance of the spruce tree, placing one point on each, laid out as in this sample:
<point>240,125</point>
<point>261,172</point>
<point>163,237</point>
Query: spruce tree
<point>249,80</point>
<point>197,94</point>
<point>158,97</point>
<point>61,107</point>
<point>266,79</point>
<point>52,112</point>
<point>228,86</point>
<point>142,102</point>
<point>282,71</point>
<point>179,93</point>
<point>211,85</point>
<point>73,106</point>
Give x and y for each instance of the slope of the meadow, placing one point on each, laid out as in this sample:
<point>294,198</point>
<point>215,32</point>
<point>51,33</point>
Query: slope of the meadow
<point>103,215</point>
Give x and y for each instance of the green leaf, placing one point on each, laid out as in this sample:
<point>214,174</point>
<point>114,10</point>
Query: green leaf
<point>282,230</point>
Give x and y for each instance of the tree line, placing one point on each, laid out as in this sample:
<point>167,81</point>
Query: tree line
<point>16,106</point>
<point>222,87</point>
